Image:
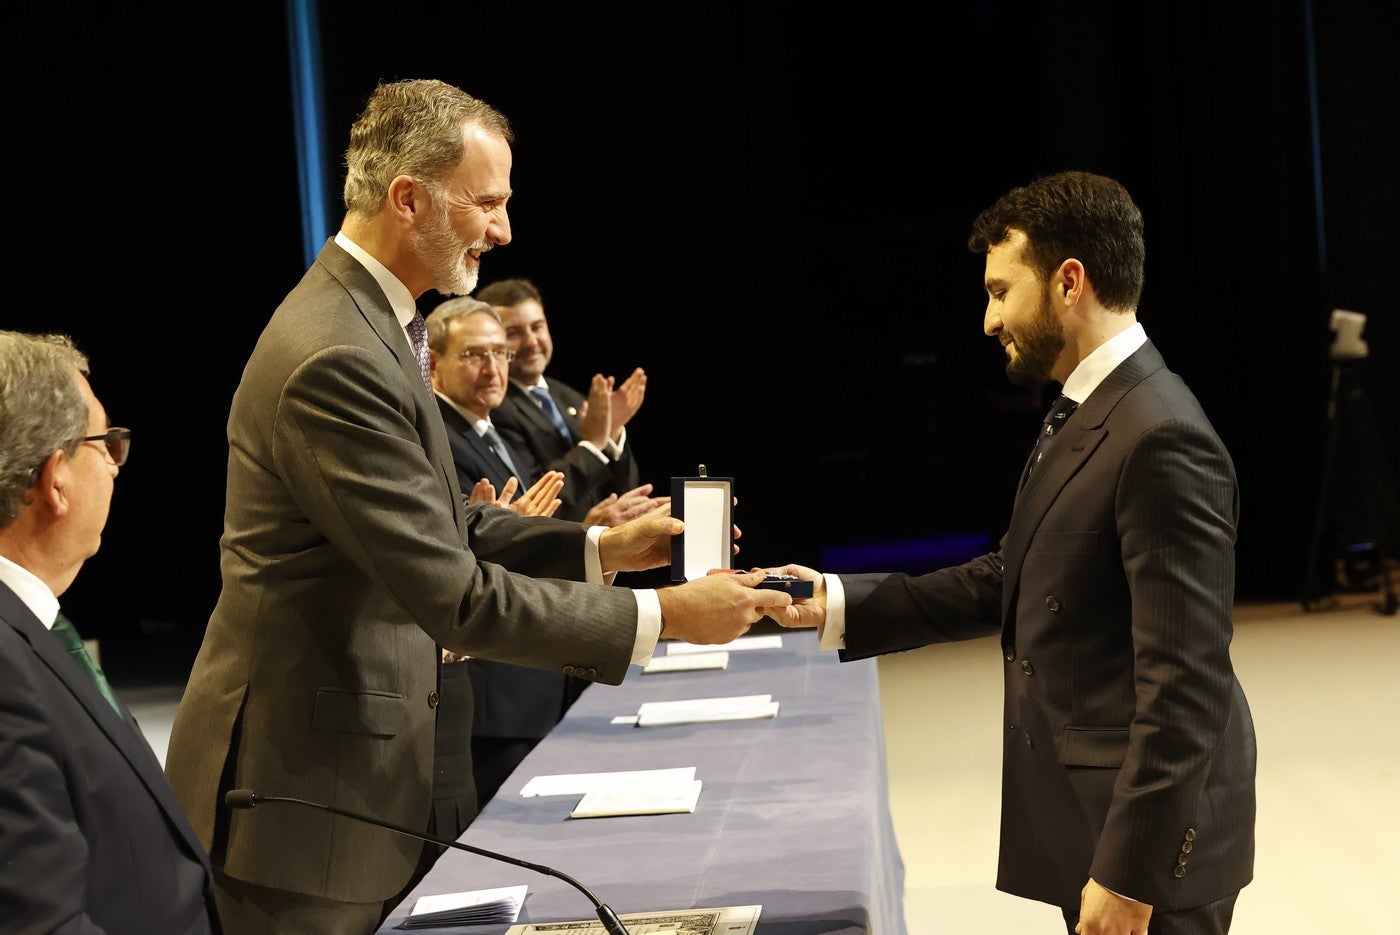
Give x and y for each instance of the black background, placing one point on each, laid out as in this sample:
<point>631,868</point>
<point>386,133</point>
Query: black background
<point>764,205</point>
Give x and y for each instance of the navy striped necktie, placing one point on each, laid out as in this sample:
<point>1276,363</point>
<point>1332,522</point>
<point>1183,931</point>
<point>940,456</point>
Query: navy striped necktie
<point>551,410</point>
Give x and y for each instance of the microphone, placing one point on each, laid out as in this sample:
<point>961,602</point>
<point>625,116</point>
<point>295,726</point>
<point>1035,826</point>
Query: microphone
<point>247,798</point>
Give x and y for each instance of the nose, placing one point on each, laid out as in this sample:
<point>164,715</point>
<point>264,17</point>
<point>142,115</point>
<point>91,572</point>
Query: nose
<point>991,322</point>
<point>500,228</point>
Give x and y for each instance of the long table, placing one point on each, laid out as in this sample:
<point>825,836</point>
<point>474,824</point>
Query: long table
<point>793,811</point>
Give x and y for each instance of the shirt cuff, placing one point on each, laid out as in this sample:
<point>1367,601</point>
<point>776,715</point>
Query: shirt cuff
<point>589,446</point>
<point>593,562</point>
<point>648,625</point>
<point>831,634</point>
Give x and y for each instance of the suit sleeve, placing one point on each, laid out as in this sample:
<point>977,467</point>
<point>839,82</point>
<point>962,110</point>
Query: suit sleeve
<point>358,467</point>
<point>1176,511</point>
<point>43,854</point>
<point>896,612</point>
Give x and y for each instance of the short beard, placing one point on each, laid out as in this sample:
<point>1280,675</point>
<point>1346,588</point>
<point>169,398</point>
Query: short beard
<point>440,249</point>
<point>1038,345</point>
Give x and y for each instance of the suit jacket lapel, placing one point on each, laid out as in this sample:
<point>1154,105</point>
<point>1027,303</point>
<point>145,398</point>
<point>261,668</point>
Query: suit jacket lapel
<point>1081,436</point>
<point>374,305</point>
<point>462,435</point>
<point>120,729</point>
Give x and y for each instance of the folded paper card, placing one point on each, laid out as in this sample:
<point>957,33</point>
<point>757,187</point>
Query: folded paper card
<point>636,800</point>
<point>706,710</point>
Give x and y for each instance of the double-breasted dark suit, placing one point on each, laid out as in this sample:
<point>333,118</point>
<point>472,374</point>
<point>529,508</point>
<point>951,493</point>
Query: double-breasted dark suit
<point>1129,749</point>
<point>587,478</point>
<point>348,559</point>
<point>91,835</point>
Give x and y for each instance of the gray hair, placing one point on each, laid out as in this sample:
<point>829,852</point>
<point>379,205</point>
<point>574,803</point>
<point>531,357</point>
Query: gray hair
<point>440,319</point>
<point>41,410</point>
<point>414,128</point>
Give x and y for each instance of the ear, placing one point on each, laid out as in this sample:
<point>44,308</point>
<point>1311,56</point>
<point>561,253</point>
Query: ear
<point>1071,283</point>
<point>53,485</point>
<point>407,198</point>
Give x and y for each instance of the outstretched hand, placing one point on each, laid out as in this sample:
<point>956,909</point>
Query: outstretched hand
<point>615,510</point>
<point>627,399</point>
<point>717,608</point>
<point>809,611</point>
<point>595,415</point>
<point>641,543</point>
<point>540,500</point>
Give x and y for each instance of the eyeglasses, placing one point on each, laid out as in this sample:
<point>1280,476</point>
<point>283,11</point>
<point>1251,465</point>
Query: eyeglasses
<point>116,441</point>
<point>477,356</point>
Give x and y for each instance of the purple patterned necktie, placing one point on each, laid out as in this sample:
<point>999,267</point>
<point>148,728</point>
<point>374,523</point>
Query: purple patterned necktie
<point>418,332</point>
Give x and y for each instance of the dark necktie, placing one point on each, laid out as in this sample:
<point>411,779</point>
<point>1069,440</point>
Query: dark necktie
<point>1054,421</point>
<point>418,333</point>
<point>551,410</point>
<point>498,445</point>
<point>72,642</point>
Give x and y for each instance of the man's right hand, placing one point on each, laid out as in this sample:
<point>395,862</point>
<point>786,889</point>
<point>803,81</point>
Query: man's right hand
<point>809,611</point>
<point>717,608</point>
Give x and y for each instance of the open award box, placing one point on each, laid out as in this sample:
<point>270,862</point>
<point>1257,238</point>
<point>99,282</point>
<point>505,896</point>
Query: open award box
<point>706,546</point>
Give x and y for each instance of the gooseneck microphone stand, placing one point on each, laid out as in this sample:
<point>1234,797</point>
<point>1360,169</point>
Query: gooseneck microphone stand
<point>247,798</point>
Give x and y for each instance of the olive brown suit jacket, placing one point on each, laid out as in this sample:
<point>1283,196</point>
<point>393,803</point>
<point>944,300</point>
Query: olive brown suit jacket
<point>1129,752</point>
<point>347,559</point>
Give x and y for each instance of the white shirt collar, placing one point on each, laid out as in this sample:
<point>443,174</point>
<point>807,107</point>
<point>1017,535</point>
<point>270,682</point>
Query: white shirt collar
<point>478,423</point>
<point>400,299</point>
<point>33,592</point>
<point>1104,360</point>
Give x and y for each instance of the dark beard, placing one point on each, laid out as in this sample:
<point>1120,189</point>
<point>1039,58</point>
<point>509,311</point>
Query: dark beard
<point>1038,346</point>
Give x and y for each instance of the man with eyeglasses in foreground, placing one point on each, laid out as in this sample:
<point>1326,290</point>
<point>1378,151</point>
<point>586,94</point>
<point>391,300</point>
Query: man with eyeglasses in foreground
<point>91,835</point>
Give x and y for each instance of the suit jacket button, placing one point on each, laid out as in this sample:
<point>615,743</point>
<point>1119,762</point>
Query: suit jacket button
<point>432,699</point>
<point>591,672</point>
<point>1010,654</point>
<point>1185,847</point>
<point>1178,871</point>
<point>1053,602</point>
<point>568,670</point>
<point>1190,834</point>
<point>1027,668</point>
<point>1029,741</point>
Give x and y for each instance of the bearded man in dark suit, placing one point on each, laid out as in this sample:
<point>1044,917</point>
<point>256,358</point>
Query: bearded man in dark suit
<point>1129,751</point>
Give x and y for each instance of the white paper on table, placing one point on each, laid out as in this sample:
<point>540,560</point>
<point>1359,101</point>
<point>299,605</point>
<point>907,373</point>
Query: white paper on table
<point>638,800</point>
<point>771,641</point>
<point>705,710</point>
<point>686,662</point>
<point>494,906</point>
<point>580,783</point>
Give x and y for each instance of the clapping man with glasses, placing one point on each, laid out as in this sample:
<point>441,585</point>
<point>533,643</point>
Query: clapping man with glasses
<point>510,708</point>
<point>91,835</point>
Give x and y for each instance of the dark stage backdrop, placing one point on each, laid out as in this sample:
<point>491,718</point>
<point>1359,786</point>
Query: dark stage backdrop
<point>764,206</point>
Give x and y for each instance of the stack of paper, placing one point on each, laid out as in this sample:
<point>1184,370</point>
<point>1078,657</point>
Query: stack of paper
<point>770,641</point>
<point>499,906</point>
<point>638,800</point>
<point>705,710</point>
<point>577,783</point>
<point>687,662</point>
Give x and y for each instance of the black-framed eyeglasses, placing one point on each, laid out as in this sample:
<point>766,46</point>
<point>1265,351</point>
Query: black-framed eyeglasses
<point>117,442</point>
<point>476,356</point>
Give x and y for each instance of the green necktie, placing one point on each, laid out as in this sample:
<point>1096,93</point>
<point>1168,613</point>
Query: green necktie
<point>74,644</point>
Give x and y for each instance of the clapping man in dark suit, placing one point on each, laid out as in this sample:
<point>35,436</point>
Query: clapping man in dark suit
<point>557,426</point>
<point>92,838</point>
<point>509,708</point>
<point>349,559</point>
<point>1129,751</point>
